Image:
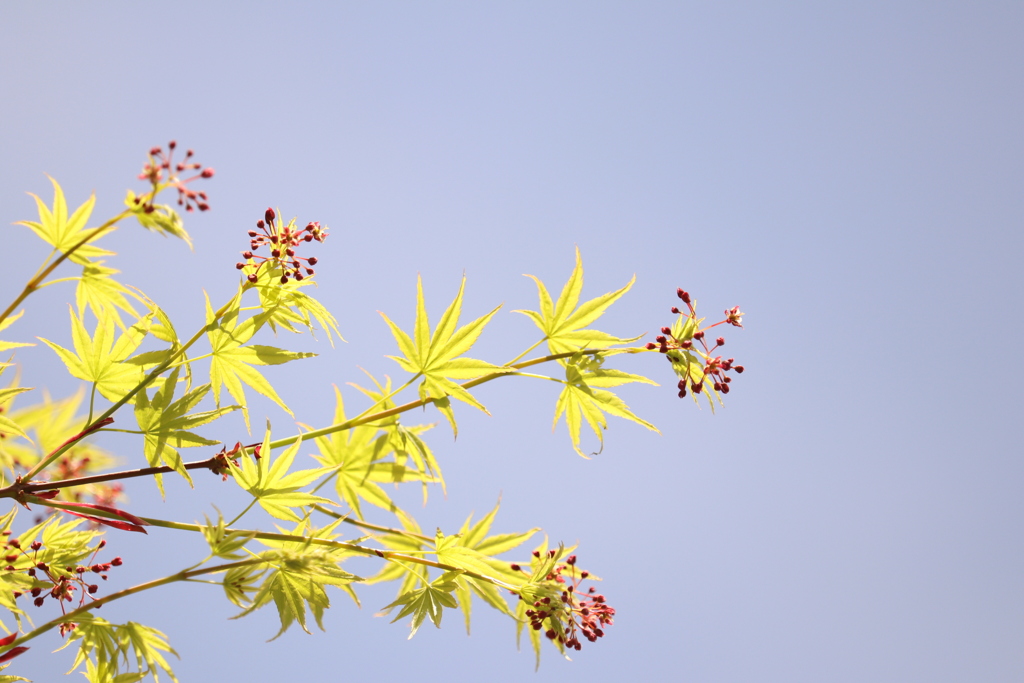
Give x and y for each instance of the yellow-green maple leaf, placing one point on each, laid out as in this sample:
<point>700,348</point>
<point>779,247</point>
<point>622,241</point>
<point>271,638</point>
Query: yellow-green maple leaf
<point>61,231</point>
<point>436,356</point>
<point>273,486</point>
<point>98,358</point>
<point>564,325</point>
<point>232,361</point>
<point>165,424</point>
<point>582,399</point>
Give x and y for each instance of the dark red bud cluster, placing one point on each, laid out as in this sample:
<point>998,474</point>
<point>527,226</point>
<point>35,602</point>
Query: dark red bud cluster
<point>285,239</point>
<point>714,367</point>
<point>58,583</point>
<point>563,611</point>
<point>161,164</point>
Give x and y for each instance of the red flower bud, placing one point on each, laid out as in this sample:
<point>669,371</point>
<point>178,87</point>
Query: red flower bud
<point>270,215</point>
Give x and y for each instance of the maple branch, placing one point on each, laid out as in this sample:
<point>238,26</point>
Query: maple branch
<point>146,381</point>
<point>36,282</point>
<point>183,575</point>
<point>13,490</point>
<point>419,403</point>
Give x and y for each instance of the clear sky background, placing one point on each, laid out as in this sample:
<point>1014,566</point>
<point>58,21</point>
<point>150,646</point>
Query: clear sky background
<point>850,175</point>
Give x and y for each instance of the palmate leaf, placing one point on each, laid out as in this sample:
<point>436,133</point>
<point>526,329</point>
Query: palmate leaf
<point>7,425</point>
<point>411,543</point>
<point>99,358</point>
<point>107,646</point>
<point>50,423</point>
<point>564,325</point>
<point>427,601</point>
<point>98,290</point>
<point>223,543</point>
<point>162,219</point>
<point>435,356</point>
<point>273,486</point>
<point>4,345</point>
<point>233,361</point>
<point>296,576</point>
<point>61,231</point>
<point>582,399</point>
<point>473,550</point>
<point>288,307</point>
<point>166,424</point>
<point>413,459</point>
<point>355,453</point>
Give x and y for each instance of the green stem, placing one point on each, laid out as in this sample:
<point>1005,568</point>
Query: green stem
<point>419,403</point>
<point>526,352</point>
<point>242,513</point>
<point>371,527</point>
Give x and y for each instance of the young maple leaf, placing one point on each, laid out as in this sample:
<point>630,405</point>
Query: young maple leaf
<point>99,358</point>
<point>435,357</point>
<point>358,455</point>
<point>98,290</point>
<point>287,307</point>
<point>61,231</point>
<point>474,550</point>
<point>582,399</point>
<point>298,572</point>
<point>272,485</point>
<point>413,459</point>
<point>7,425</point>
<point>4,345</point>
<point>232,361</point>
<point>428,601</point>
<point>165,424</point>
<point>564,325</point>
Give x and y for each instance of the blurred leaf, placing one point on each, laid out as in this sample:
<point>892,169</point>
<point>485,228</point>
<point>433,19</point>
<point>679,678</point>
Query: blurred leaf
<point>162,219</point>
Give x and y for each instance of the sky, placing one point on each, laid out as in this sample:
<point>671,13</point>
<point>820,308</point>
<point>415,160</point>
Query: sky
<point>850,175</point>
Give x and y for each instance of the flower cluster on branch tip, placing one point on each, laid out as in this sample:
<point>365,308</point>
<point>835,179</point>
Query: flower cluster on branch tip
<point>161,171</point>
<point>561,609</point>
<point>283,241</point>
<point>686,347</point>
<point>42,580</point>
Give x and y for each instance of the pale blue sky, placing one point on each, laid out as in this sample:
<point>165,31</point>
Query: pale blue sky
<point>850,175</point>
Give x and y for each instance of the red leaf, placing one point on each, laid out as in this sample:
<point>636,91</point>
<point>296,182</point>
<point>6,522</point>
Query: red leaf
<point>7,640</point>
<point>11,654</point>
<point>47,495</point>
<point>138,521</point>
<point>117,524</point>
